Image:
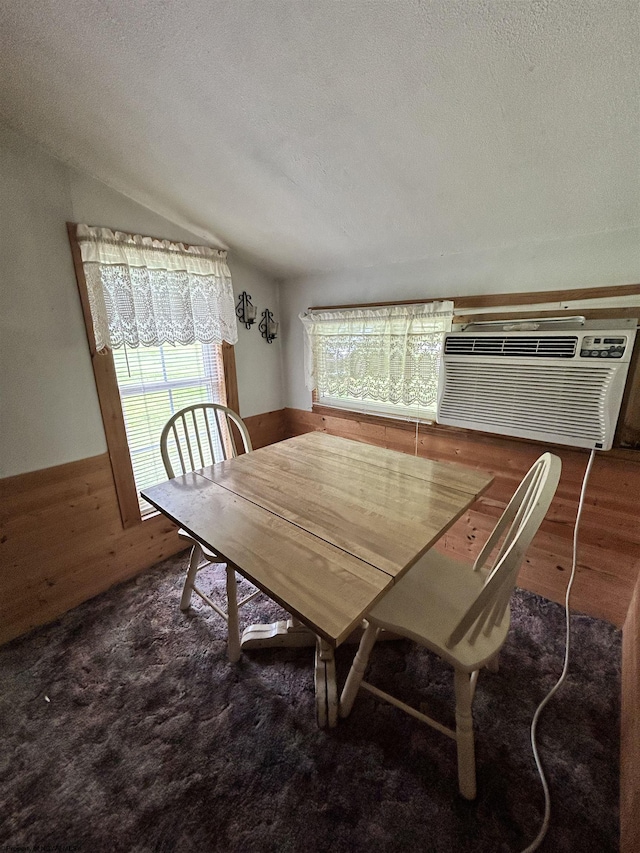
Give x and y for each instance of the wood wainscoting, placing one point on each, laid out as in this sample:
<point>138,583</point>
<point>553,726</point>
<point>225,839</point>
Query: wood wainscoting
<point>267,428</point>
<point>62,539</point>
<point>630,730</point>
<point>609,550</point>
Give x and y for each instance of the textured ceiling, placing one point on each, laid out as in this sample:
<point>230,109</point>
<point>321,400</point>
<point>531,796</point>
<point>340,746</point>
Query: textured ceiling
<point>321,134</point>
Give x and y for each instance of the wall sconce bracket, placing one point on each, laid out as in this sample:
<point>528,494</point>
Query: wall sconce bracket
<point>246,311</point>
<point>268,326</point>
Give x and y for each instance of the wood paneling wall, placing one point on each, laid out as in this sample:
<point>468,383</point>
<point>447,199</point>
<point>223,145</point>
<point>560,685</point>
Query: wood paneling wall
<point>609,552</point>
<point>62,539</point>
<point>630,730</point>
<point>267,428</point>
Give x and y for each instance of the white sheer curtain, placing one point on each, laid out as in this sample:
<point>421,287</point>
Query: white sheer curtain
<point>377,359</point>
<point>146,292</point>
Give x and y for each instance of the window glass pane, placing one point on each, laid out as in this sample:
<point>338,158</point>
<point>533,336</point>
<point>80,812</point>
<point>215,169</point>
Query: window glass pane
<point>383,361</point>
<point>147,364</point>
<point>154,383</point>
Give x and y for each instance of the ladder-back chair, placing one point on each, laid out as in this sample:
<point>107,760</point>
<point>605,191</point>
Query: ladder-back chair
<point>460,612</point>
<point>193,438</point>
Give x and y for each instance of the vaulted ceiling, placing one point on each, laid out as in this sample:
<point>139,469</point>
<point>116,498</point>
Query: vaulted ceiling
<point>322,134</point>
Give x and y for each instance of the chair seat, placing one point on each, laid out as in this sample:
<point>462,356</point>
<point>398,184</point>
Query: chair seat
<point>425,606</point>
<point>209,555</point>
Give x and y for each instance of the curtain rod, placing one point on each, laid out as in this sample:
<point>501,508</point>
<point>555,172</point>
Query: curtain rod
<point>407,302</point>
<point>374,304</point>
<point>221,248</point>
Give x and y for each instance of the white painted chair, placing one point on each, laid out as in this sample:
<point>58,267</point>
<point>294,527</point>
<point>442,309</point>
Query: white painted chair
<point>194,437</point>
<point>460,612</point>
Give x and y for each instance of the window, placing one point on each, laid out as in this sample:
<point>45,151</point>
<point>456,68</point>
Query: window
<point>154,383</point>
<point>379,360</point>
<point>161,323</point>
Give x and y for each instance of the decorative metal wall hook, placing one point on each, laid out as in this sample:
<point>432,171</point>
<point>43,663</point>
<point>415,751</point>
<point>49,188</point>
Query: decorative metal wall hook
<point>246,312</point>
<point>268,326</point>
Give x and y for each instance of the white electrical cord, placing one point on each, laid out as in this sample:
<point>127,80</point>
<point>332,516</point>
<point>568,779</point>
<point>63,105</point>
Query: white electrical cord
<point>534,724</point>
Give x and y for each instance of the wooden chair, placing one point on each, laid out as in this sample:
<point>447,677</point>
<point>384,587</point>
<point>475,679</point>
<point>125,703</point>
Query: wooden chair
<point>460,612</point>
<point>194,437</point>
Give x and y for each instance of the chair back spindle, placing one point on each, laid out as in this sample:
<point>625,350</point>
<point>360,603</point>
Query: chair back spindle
<point>201,435</point>
<point>514,531</point>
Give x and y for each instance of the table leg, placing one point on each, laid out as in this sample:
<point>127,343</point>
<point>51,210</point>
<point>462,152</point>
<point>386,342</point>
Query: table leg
<point>292,633</point>
<point>326,687</point>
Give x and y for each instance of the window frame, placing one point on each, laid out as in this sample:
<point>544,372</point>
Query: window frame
<point>109,398</point>
<point>207,375</point>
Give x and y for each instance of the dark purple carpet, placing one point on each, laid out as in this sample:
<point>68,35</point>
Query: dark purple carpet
<point>124,728</point>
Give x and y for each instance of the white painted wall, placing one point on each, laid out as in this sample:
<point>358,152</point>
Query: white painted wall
<point>340,133</point>
<point>49,412</point>
<point>258,364</point>
<point>594,260</point>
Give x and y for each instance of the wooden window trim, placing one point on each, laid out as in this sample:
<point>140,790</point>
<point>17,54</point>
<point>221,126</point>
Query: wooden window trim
<point>503,300</point>
<point>628,428</point>
<point>230,376</point>
<point>109,398</point>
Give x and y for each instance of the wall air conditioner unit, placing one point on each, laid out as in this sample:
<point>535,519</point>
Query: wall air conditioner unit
<point>552,382</point>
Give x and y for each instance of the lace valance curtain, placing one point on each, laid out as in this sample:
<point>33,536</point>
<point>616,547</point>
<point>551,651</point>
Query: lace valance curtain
<point>146,292</point>
<point>385,355</point>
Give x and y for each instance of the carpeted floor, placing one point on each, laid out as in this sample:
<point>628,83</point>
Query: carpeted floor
<point>124,728</point>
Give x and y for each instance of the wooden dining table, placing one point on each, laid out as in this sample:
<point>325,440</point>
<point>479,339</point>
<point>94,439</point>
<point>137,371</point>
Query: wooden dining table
<point>324,526</point>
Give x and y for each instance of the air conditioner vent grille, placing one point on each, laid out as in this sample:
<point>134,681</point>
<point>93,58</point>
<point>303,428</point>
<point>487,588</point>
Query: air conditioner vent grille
<point>529,346</point>
<point>565,400</point>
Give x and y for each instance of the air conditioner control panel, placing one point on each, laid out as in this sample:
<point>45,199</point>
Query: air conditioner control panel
<point>601,347</point>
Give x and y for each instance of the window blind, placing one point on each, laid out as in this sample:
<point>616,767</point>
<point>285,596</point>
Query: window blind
<point>154,383</point>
